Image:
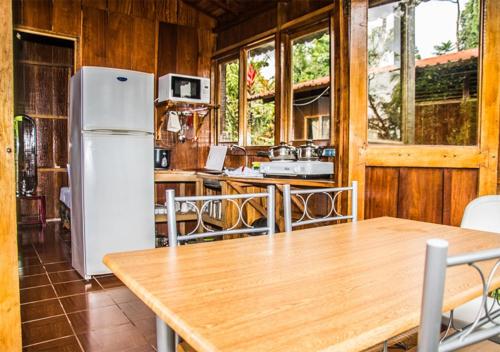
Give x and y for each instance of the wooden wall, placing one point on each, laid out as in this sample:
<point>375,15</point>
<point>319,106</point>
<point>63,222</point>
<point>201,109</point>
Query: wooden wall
<point>437,195</point>
<point>126,34</point>
<point>185,50</point>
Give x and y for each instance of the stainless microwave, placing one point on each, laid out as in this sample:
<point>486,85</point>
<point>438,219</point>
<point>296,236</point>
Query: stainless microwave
<point>190,89</point>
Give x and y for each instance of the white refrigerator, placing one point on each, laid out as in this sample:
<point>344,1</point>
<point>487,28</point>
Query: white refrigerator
<point>111,165</point>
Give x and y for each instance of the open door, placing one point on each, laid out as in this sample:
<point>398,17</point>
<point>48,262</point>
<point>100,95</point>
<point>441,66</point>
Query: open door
<point>10,323</point>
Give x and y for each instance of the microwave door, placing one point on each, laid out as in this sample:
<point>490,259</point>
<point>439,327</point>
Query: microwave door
<point>186,88</point>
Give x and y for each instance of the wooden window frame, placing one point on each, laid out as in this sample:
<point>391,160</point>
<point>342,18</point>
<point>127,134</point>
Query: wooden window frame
<point>483,156</point>
<point>282,98</point>
<point>310,117</point>
<point>321,24</point>
<point>218,95</point>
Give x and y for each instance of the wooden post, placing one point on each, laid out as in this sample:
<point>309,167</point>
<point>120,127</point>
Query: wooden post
<point>408,73</point>
<point>10,322</point>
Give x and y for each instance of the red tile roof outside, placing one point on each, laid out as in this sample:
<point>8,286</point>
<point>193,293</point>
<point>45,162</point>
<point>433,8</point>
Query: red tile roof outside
<point>430,61</point>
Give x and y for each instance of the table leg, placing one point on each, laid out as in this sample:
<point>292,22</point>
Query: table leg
<point>165,337</point>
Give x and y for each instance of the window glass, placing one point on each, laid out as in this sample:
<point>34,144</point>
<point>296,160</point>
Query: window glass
<point>311,86</point>
<point>229,94</point>
<point>260,86</point>
<point>423,72</point>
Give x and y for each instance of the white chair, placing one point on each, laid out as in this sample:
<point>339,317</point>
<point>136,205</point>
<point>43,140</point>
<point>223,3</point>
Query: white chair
<point>481,214</point>
<point>305,195</point>
<point>436,263</point>
<point>201,203</point>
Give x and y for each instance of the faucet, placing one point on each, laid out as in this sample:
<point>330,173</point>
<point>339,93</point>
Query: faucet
<point>232,147</point>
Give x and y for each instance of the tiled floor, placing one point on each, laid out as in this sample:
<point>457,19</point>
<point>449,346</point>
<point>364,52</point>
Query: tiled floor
<point>62,312</point>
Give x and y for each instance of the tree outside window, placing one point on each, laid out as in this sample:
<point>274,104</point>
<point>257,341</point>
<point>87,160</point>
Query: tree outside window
<point>260,90</point>
<point>229,105</point>
<point>422,78</point>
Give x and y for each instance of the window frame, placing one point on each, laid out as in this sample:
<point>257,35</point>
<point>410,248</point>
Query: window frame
<point>283,97</point>
<point>218,93</point>
<point>297,33</point>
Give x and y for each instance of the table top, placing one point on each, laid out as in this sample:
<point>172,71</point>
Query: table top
<point>344,288</point>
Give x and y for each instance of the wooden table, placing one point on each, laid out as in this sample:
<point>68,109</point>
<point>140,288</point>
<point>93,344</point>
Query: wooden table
<point>338,288</point>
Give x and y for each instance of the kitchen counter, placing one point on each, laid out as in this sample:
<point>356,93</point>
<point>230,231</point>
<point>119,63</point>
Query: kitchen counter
<point>192,176</point>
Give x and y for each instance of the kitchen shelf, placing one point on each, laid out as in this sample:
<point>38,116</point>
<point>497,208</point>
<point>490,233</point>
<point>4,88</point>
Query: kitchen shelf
<point>159,218</point>
<point>212,221</point>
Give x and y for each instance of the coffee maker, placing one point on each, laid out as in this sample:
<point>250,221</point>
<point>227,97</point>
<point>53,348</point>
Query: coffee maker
<point>162,158</point>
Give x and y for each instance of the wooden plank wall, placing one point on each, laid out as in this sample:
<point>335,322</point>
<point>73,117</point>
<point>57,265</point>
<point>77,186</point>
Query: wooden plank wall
<point>159,36</point>
<point>10,316</point>
<point>124,34</point>
<point>41,81</point>
<point>437,195</point>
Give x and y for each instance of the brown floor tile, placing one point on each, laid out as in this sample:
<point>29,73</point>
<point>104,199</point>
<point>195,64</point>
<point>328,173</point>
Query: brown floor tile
<point>33,280</point>
<point>146,348</point>
<point>147,327</point>
<point>109,281</point>
<point>76,287</point>
<point>45,329</point>
<point>31,270</point>
<point>64,276</point>
<point>99,318</point>
<point>27,261</point>
<point>63,266</point>
<point>41,309</point>
<point>27,251</point>
<point>122,295</point>
<point>118,338</point>
<point>65,344</point>
<point>136,310</point>
<point>91,300</point>
<point>37,294</point>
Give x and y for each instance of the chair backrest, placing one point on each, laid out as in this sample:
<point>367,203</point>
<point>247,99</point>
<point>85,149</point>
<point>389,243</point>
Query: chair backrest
<point>305,195</point>
<point>201,203</point>
<point>436,263</point>
<point>483,214</point>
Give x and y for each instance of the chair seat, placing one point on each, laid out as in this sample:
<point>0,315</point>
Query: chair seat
<point>466,313</point>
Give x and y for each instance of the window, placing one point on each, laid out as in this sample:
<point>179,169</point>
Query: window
<point>423,72</point>
<point>317,127</point>
<point>311,86</point>
<point>260,86</point>
<point>229,96</point>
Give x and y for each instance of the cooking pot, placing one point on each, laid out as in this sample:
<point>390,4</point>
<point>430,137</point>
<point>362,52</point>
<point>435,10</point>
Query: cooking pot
<point>309,151</point>
<point>282,151</point>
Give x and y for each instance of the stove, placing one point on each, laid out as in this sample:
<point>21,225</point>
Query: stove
<point>297,169</point>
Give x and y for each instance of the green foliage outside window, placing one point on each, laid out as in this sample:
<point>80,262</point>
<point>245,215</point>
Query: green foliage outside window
<point>260,95</point>
<point>311,57</point>
<point>229,106</point>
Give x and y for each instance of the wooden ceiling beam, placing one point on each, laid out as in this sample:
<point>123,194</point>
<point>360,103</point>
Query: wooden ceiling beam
<point>231,8</point>
<point>222,26</point>
<point>194,5</point>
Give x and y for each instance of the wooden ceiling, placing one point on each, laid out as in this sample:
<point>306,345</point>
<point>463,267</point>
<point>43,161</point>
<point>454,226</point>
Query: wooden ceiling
<point>230,12</point>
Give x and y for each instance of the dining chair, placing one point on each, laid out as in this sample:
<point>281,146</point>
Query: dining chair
<point>481,214</point>
<point>305,196</point>
<point>436,263</point>
<point>201,203</point>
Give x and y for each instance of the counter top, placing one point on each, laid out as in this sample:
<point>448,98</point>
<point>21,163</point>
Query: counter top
<point>193,176</point>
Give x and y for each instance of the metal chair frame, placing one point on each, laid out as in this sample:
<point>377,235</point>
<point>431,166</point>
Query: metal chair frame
<point>200,203</point>
<point>436,263</point>
<point>307,218</point>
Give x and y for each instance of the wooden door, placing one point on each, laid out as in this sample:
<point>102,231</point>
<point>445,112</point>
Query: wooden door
<point>10,323</point>
<point>408,179</point>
